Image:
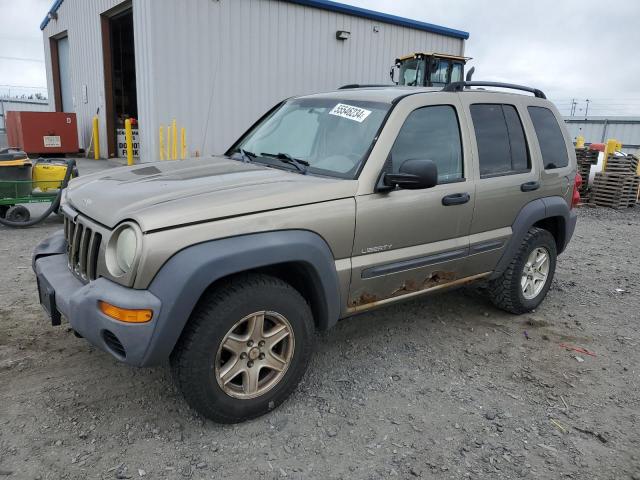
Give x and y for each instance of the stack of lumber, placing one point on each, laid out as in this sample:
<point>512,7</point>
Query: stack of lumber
<point>617,187</point>
<point>586,158</point>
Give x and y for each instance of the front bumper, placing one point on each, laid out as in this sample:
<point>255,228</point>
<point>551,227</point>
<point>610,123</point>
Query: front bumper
<point>78,303</point>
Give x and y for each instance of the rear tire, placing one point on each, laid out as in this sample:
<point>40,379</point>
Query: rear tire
<point>521,287</point>
<point>18,214</point>
<point>227,373</point>
<point>3,210</point>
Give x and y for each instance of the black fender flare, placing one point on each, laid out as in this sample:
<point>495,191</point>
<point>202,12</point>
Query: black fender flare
<point>530,214</point>
<point>184,277</point>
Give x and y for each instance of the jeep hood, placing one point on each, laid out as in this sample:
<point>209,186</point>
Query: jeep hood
<point>171,193</point>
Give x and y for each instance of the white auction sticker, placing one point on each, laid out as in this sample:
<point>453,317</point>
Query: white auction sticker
<point>52,141</point>
<point>349,111</point>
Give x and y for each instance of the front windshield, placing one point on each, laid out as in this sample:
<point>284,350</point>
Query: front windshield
<point>332,136</point>
<point>412,73</point>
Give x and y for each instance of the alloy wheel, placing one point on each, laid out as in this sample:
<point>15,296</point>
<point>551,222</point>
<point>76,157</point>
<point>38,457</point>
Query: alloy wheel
<point>535,273</point>
<point>254,355</point>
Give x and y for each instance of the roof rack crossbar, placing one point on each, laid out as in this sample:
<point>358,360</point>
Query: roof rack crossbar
<point>358,85</point>
<point>459,87</point>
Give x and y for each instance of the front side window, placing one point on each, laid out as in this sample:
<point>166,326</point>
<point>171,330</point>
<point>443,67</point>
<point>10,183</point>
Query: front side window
<point>552,144</point>
<point>332,136</point>
<point>456,72</point>
<point>502,146</point>
<point>438,74</point>
<point>431,133</point>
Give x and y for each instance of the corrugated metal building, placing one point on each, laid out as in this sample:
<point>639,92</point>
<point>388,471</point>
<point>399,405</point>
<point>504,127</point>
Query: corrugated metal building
<point>214,65</point>
<point>599,129</point>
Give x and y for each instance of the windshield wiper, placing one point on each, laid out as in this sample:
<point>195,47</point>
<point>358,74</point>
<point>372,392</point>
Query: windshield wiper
<point>301,165</point>
<point>246,156</point>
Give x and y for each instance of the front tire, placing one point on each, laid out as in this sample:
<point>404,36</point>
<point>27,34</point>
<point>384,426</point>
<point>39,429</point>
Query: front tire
<point>245,348</point>
<point>526,281</point>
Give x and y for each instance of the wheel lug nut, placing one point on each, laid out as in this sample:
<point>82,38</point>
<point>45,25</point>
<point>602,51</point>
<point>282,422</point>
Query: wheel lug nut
<point>243,355</point>
<point>250,343</point>
<point>261,343</point>
<point>262,356</point>
<point>249,364</point>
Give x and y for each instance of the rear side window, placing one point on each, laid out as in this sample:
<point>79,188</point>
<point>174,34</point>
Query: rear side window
<point>552,145</point>
<point>431,133</point>
<point>502,146</point>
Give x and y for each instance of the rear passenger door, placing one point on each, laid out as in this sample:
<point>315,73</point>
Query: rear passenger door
<point>508,176</point>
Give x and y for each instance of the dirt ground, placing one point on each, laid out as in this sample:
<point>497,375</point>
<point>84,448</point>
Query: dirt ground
<point>444,386</point>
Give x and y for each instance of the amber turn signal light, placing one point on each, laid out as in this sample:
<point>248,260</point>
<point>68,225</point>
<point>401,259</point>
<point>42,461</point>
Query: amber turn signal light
<point>125,314</point>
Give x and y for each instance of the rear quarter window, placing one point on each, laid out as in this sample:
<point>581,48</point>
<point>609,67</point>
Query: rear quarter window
<point>550,138</point>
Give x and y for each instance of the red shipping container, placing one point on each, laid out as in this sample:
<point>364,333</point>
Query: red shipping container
<point>42,132</point>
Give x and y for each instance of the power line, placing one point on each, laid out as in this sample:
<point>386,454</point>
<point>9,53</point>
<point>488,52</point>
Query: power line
<point>21,86</point>
<point>36,60</point>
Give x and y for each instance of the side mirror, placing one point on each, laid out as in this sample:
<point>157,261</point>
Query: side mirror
<point>413,175</point>
<point>392,74</point>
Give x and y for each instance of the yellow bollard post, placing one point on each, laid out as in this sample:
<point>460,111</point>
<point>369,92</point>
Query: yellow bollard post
<point>609,149</point>
<point>174,141</point>
<point>128,137</point>
<point>183,143</point>
<point>579,141</point>
<point>96,139</point>
<point>168,152</point>
<point>161,142</point>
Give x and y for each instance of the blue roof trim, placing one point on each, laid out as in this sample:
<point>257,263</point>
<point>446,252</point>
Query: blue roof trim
<point>346,9</point>
<point>54,8</point>
<point>382,17</point>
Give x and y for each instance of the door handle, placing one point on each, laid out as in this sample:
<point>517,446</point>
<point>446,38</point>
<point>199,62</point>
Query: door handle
<point>456,199</point>
<point>529,186</point>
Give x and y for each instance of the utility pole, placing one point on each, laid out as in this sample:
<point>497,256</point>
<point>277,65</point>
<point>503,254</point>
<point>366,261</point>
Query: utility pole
<point>586,113</point>
<point>573,106</point>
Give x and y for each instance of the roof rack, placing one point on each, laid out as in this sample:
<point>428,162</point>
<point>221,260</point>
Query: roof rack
<point>358,85</point>
<point>460,86</point>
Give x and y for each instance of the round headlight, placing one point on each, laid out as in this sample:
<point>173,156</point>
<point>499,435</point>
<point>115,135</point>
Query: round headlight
<point>123,249</point>
<point>126,248</point>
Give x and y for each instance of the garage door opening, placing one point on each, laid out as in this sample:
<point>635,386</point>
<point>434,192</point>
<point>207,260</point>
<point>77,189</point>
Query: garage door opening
<point>120,78</point>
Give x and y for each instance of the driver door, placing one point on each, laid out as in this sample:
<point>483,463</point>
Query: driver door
<point>409,241</point>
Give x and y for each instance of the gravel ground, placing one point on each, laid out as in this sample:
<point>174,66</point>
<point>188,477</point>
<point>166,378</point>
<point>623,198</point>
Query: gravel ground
<point>440,387</point>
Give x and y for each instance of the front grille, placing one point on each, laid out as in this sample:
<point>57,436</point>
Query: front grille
<point>114,343</point>
<point>83,245</point>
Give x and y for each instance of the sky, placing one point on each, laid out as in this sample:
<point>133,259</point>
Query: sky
<point>570,49</point>
<point>21,46</point>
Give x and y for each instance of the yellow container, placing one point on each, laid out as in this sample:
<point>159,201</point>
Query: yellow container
<point>48,176</point>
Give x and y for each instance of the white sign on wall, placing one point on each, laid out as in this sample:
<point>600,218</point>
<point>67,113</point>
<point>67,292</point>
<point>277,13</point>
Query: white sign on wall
<point>122,142</point>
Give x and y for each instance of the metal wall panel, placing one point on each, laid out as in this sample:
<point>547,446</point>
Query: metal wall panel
<point>599,129</point>
<point>215,66</point>
<point>81,20</point>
